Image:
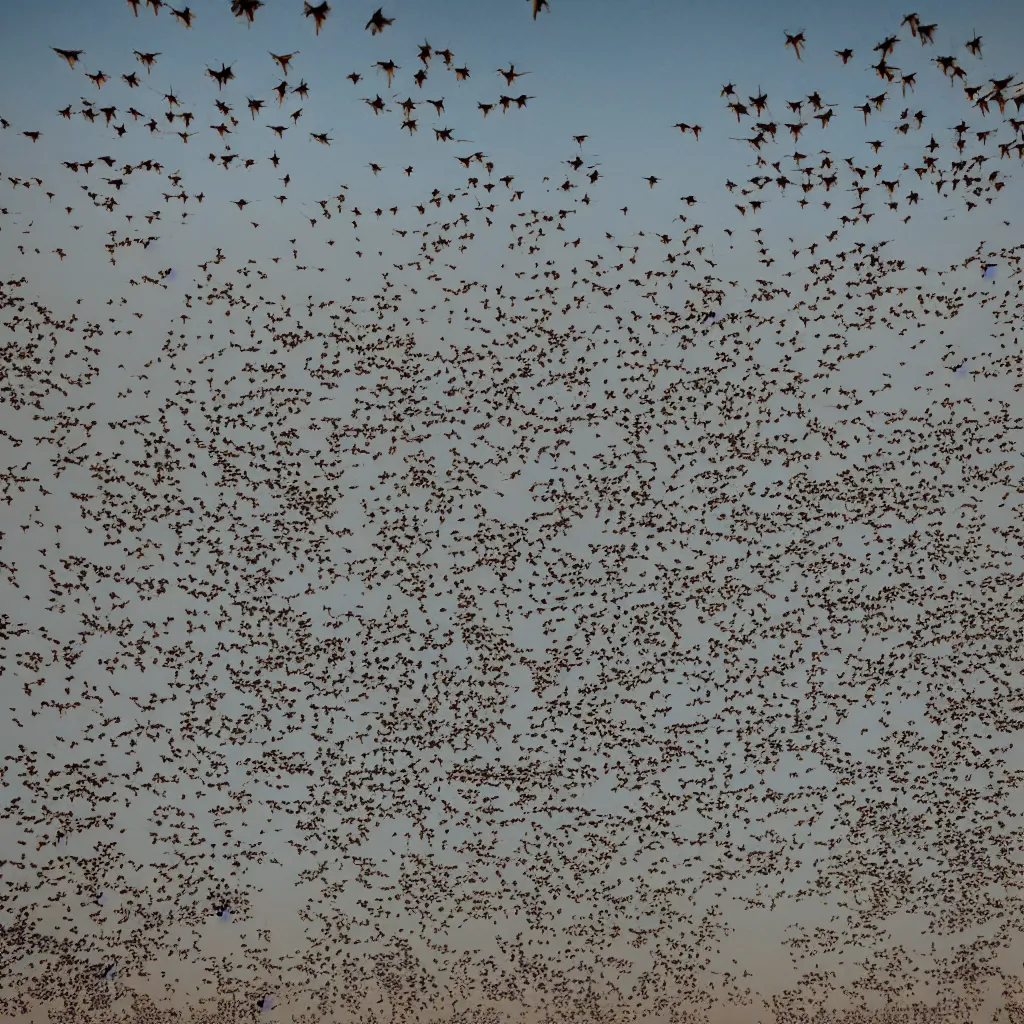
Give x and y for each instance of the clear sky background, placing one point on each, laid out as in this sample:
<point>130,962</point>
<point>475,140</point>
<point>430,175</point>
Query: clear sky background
<point>311,649</point>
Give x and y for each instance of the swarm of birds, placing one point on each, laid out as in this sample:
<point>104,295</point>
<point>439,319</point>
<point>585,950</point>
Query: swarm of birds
<point>483,601</point>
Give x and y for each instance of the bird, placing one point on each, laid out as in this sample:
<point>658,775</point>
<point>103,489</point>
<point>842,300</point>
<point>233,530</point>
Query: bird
<point>246,9</point>
<point>284,60</point>
<point>318,13</point>
<point>510,74</point>
<point>378,22</point>
<point>389,67</point>
<point>796,42</point>
<point>184,16</point>
<point>71,56</point>
<point>221,77</point>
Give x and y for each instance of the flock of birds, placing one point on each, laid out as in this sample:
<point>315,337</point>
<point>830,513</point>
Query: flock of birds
<point>548,616</point>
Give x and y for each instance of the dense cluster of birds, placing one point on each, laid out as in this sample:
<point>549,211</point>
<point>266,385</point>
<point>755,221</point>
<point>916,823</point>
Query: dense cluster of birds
<point>541,615</point>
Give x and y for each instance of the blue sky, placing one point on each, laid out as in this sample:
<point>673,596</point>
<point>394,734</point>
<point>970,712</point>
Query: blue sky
<point>355,680</point>
<point>623,75</point>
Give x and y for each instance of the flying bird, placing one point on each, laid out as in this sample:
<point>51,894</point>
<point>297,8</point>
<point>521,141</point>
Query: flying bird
<point>147,60</point>
<point>318,13</point>
<point>389,67</point>
<point>511,74</point>
<point>378,22</point>
<point>284,59</point>
<point>184,16</point>
<point>246,8</point>
<point>796,42</point>
<point>221,77</point>
<point>71,56</point>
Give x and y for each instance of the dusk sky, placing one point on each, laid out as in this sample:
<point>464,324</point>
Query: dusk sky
<point>540,566</point>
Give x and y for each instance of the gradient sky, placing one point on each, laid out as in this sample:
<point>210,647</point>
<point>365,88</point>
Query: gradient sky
<point>891,647</point>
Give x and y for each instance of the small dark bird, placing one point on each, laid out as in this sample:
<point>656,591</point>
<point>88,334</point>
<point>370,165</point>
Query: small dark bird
<point>378,22</point>
<point>284,59</point>
<point>389,67</point>
<point>185,16</point>
<point>221,77</point>
<point>511,75</point>
<point>246,8</point>
<point>318,13</point>
<point>845,55</point>
<point>147,60</point>
<point>886,47</point>
<point>796,42</point>
<point>71,56</point>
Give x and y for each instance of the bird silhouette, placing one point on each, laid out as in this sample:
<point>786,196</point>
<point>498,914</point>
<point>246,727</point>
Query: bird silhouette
<point>378,22</point>
<point>318,13</point>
